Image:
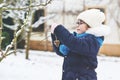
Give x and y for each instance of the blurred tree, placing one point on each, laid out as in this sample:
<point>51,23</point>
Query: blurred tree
<point>21,14</point>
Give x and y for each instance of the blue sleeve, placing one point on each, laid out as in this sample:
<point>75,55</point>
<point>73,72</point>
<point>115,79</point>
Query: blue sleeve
<point>56,49</point>
<point>84,46</point>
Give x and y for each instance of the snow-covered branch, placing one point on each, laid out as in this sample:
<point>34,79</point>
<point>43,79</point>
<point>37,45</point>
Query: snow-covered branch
<point>12,27</point>
<point>27,21</point>
<point>42,20</point>
<point>2,5</point>
<point>6,52</point>
<point>26,7</point>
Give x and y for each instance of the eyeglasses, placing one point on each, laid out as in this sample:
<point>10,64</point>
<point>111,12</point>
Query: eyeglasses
<point>79,22</point>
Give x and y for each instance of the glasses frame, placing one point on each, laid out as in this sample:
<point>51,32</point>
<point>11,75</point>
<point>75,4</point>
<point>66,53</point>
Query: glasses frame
<point>79,22</point>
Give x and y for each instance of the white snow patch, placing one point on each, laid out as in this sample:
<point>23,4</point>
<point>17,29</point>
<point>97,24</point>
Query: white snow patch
<point>48,66</point>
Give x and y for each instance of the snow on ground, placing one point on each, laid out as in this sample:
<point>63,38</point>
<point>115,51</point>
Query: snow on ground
<point>48,66</point>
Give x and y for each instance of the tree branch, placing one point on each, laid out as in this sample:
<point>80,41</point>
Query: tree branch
<point>31,6</point>
<point>26,22</point>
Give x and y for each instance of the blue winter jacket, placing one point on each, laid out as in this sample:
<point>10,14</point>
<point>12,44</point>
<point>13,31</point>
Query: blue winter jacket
<point>65,50</point>
<point>81,61</point>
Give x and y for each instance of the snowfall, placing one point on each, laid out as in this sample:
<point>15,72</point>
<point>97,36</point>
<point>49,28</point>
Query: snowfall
<point>43,65</point>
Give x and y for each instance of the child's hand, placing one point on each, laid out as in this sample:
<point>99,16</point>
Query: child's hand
<point>53,26</point>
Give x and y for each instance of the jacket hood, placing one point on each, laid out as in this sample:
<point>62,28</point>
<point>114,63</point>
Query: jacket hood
<point>102,30</point>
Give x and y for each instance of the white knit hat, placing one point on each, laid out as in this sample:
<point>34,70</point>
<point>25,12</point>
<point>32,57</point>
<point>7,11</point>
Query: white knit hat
<point>94,18</point>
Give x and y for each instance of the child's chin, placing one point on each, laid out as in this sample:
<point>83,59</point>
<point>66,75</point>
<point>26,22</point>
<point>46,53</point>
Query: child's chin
<point>78,32</point>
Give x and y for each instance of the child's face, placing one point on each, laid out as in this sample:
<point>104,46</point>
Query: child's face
<point>81,27</point>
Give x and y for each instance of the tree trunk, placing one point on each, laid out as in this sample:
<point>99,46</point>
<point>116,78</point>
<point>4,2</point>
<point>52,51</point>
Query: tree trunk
<point>0,24</point>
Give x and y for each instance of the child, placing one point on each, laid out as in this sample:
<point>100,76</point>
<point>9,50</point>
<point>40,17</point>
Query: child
<point>80,49</point>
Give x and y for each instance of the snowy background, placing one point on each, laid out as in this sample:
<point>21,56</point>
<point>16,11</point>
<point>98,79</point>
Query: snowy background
<point>48,66</point>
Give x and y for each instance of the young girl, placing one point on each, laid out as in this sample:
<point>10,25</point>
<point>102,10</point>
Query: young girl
<point>80,48</point>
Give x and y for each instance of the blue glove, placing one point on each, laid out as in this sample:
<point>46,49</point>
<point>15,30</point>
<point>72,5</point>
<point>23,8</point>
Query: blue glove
<point>64,49</point>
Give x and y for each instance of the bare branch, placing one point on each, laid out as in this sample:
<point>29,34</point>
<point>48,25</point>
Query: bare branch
<point>4,56</point>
